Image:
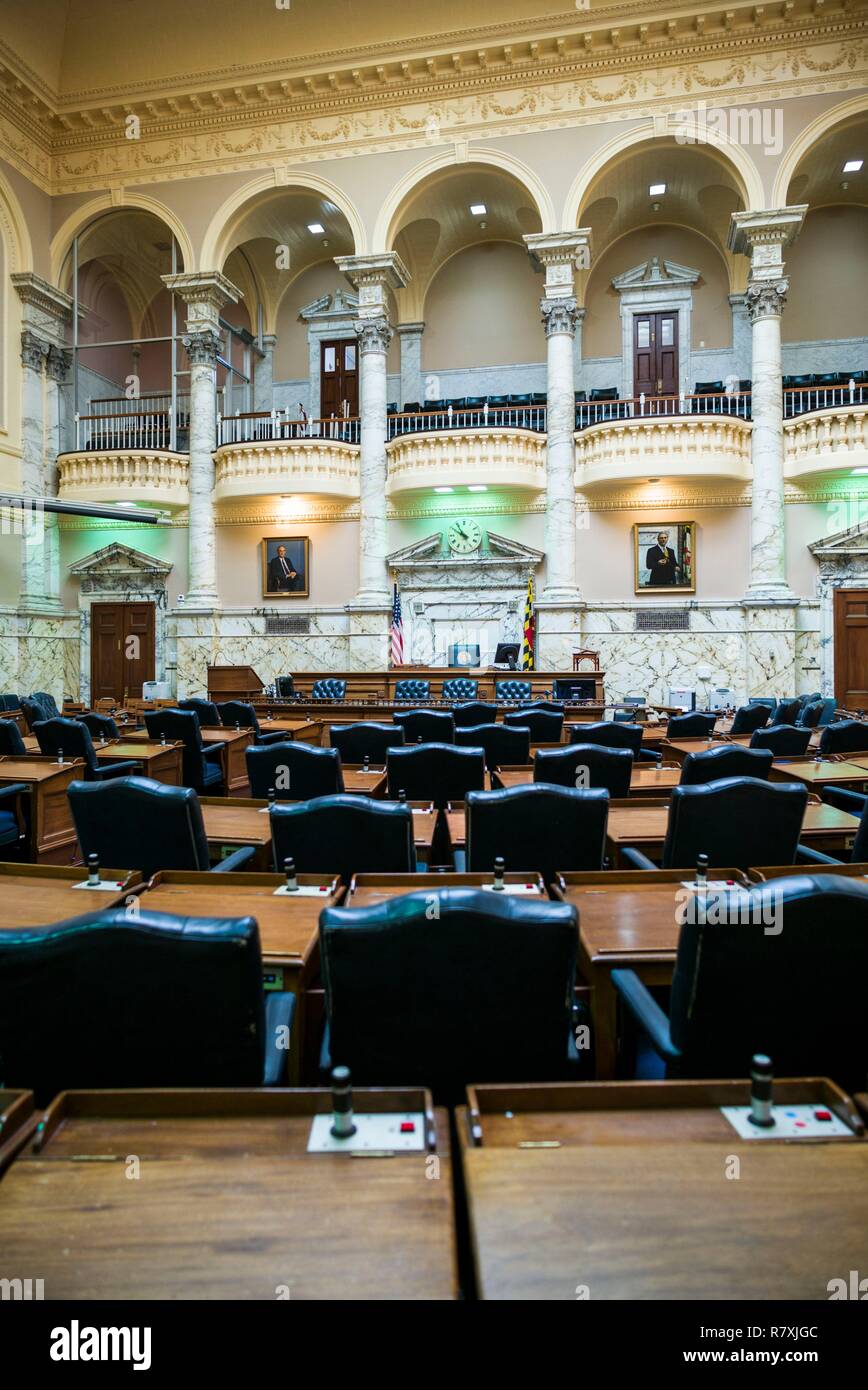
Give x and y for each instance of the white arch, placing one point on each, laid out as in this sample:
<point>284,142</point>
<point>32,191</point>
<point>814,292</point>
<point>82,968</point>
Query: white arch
<point>14,227</point>
<point>742,165</point>
<point>807,138</point>
<point>78,220</point>
<point>214,246</point>
<point>384,233</point>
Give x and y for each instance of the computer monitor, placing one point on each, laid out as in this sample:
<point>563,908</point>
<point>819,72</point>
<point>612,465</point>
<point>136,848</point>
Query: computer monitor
<point>464,654</point>
<point>575,690</point>
<point>507,654</point>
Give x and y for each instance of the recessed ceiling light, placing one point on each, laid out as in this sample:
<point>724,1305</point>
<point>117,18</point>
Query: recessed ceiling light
<point>656,189</point>
<point>444,489</point>
<point>852,166</point>
<point>478,209</point>
<point>125,504</point>
<point>316,227</point>
<point>654,480</point>
<point>858,470</point>
<point>478,487</point>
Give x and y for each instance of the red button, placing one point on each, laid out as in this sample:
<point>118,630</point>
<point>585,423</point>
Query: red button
<point>822,1115</point>
<point>408,1127</point>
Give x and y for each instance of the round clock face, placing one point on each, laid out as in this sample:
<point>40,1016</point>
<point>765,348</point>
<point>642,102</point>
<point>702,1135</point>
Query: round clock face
<point>464,535</point>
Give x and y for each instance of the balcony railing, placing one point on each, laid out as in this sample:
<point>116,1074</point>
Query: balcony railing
<point>134,405</point>
<point>513,417</point>
<point>798,400</point>
<point>256,427</point>
<point>141,429</point>
<point>639,407</point>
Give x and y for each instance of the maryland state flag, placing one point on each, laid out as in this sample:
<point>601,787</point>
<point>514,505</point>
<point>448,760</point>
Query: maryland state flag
<point>529,640</point>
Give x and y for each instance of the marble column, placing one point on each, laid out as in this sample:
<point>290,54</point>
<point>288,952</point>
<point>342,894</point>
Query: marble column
<point>578,375</point>
<point>263,375</point>
<point>410,335</point>
<point>741,336</point>
<point>34,351</point>
<point>57,366</point>
<point>205,293</point>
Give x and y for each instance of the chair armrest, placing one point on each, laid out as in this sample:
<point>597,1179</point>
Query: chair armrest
<point>649,755</point>
<point>14,789</point>
<point>845,800</point>
<point>635,859</point>
<point>272,738</point>
<point>646,1011</point>
<point>279,1014</point>
<point>106,770</point>
<point>212,750</point>
<point>234,860</point>
<point>806,855</point>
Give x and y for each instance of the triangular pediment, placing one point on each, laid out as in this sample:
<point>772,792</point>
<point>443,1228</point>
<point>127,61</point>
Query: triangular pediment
<point>433,550</point>
<point>339,305</point>
<point>116,559</point>
<point>853,541</point>
<point>656,272</point>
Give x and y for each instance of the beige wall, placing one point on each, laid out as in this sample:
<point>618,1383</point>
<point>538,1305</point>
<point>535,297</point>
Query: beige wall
<point>482,310</point>
<point>605,551</point>
<point>334,548</point>
<point>826,268</point>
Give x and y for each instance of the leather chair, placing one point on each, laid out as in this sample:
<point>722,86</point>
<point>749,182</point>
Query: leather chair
<point>847,736</point>
<point>410,996</point>
<point>285,687</point>
<point>34,712</point>
<point>459,688</point>
<point>715,763</point>
<point>11,743</point>
<point>750,717</point>
<point>550,706</point>
<point>328,688</point>
<point>504,746</point>
<point>201,767</point>
<point>241,714</point>
<point>784,740</point>
<point>10,702</point>
<point>691,725</point>
<point>786,712</point>
<point>101,726</point>
<point>48,703</point>
<point>307,771</point>
<point>738,821</point>
<point>136,823</point>
<point>14,817</point>
<point>344,835</point>
<point>545,726</point>
<point>537,828</point>
<point>426,726</point>
<point>111,1000</point>
<point>585,765</point>
<point>355,742</point>
<point>615,734</point>
<point>512,690</point>
<point>737,986</point>
<point>474,713</point>
<point>74,741</point>
<point>437,772</point>
<point>412,690</point>
<point>205,710</point>
<point>810,715</point>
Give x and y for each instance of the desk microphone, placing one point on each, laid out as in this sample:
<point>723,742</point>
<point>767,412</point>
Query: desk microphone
<point>93,871</point>
<point>761,1080</point>
<point>343,1124</point>
<point>498,885</point>
<point>291,876</point>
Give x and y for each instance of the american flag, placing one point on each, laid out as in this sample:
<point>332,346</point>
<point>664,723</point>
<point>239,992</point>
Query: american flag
<point>397,630</point>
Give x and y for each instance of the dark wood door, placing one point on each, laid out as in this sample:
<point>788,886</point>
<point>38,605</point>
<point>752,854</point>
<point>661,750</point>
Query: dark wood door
<point>851,648</point>
<point>655,354</point>
<point>123,649</point>
<point>339,377</point>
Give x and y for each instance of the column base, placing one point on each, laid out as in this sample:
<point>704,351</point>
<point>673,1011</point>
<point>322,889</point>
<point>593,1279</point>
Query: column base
<point>199,603</point>
<point>768,595</point>
<point>558,630</point>
<point>39,607</point>
<point>369,634</point>
<point>562,598</point>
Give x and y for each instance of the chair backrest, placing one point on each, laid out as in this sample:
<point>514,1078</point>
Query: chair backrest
<point>553,707</point>
<point>48,703</point>
<point>34,712</point>
<point>100,725</point>
<point>194,1016</point>
<point>512,690</point>
<point>355,742</point>
<point>608,734</point>
<point>846,736</point>
<point>11,742</point>
<point>459,688</point>
<point>181,726</point>
<point>410,997</point>
<point>537,827</point>
<point>328,688</point>
<point>809,715</point>
<point>238,712</point>
<point>714,763</point>
<point>739,821</point>
<point>412,689</point>
<point>503,744</point>
<point>285,686</point>
<point>786,712</point>
<point>736,985</point>
<point>426,724</point>
<point>585,765</point>
<point>690,725</point>
<point>67,736</point>
<point>545,726</point>
<point>438,772</point>
<point>344,835</point>
<point>206,711</point>
<point>137,823</point>
<point>296,771</point>
<point>474,713</point>
<point>784,740</point>
<point>750,717</point>
<point>10,702</point>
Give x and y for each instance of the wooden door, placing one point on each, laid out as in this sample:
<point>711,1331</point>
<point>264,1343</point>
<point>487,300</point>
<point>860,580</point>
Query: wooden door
<point>339,377</point>
<point>851,648</point>
<point>655,354</point>
<point>123,650</point>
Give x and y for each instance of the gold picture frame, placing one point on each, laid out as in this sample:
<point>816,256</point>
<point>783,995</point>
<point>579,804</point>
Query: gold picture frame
<point>296,555</point>
<point>664,566</point>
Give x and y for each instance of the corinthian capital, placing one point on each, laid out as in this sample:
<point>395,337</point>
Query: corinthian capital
<point>374,335</point>
<point>34,350</point>
<point>559,315</point>
<point>57,363</point>
<point>203,348</point>
<point>766,300</point>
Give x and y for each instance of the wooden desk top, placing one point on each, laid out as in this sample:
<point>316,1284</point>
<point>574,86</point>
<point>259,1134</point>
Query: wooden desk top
<point>230,1206</point>
<point>456,825</point>
<point>361,782</point>
<point>817,774</point>
<point>632,1202</point>
<point>130,749</point>
<point>17,1122</point>
<point>37,895</point>
<point>631,823</point>
<point>366,890</point>
<point>37,768</point>
<point>236,820</point>
<point>293,727</point>
<point>645,780</point>
<point>288,926</point>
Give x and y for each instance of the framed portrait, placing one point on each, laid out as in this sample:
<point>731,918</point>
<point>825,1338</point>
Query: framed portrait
<point>285,566</point>
<point>664,555</point>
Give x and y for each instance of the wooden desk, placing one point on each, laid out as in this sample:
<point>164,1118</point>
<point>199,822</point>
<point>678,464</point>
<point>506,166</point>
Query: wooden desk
<point>630,921</point>
<point>161,761</point>
<point>765,872</point>
<point>633,1201</point>
<point>364,782</point>
<point>366,890</point>
<point>36,895</point>
<point>645,780</point>
<point>52,833</point>
<point>233,821</point>
<point>296,730</point>
<point>233,759</point>
<point>230,1204</point>
<point>643,826</point>
<point>17,1122</point>
<point>815,775</point>
<point>676,750</point>
<point>456,826</point>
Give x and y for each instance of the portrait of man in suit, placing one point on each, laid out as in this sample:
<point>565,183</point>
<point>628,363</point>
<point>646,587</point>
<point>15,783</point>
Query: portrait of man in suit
<point>664,557</point>
<point>285,567</point>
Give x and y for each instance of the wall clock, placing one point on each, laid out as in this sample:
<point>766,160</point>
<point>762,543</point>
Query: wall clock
<point>464,535</point>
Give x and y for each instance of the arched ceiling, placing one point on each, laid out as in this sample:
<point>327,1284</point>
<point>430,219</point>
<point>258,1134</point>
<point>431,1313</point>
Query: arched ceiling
<point>133,249</point>
<point>820,174</point>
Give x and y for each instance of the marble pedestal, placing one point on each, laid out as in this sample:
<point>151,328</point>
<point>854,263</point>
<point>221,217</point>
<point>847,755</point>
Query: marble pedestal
<point>369,636</point>
<point>558,634</point>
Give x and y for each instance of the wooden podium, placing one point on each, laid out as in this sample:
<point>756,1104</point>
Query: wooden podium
<point>234,683</point>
